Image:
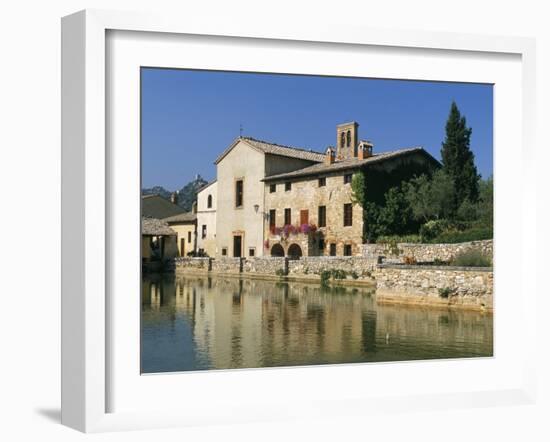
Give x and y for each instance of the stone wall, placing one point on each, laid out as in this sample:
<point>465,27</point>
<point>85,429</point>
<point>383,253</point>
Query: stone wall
<point>311,266</point>
<point>182,263</point>
<point>424,252</point>
<point>227,265</point>
<point>266,265</point>
<point>434,285</point>
<point>314,265</point>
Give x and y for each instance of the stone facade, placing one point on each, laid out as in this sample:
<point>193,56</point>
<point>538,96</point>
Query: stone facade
<point>432,285</point>
<point>307,195</point>
<point>424,252</point>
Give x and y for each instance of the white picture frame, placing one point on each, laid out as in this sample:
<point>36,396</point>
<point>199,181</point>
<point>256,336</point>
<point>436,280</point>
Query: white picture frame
<point>87,214</point>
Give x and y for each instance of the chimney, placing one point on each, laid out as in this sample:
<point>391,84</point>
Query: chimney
<point>365,150</point>
<point>174,197</point>
<point>329,155</point>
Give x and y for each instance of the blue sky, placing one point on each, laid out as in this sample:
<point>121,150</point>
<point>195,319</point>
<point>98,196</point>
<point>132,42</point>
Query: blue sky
<point>189,117</point>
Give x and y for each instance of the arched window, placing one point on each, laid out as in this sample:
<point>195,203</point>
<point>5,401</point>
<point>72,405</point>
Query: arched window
<point>348,139</point>
<point>342,139</point>
<point>209,202</point>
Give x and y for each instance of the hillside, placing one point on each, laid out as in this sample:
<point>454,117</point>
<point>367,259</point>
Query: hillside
<point>186,195</point>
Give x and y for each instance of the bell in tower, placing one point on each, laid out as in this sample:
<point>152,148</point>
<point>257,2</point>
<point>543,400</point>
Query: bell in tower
<point>347,140</point>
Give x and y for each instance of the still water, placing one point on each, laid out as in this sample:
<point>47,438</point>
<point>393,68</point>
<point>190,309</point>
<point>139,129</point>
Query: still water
<point>200,323</point>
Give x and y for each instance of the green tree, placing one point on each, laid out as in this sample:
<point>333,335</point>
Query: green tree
<point>396,215</point>
<point>458,159</point>
<point>486,201</point>
<point>430,198</point>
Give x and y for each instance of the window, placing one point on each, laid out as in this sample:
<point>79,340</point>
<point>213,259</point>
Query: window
<point>251,251</point>
<point>209,202</point>
<point>322,182</point>
<point>333,249</point>
<point>348,136</point>
<point>189,237</point>
<point>348,214</point>
<point>287,217</point>
<point>239,193</point>
<point>347,178</point>
<point>342,139</point>
<point>272,188</point>
<point>322,216</point>
<point>203,235</point>
<point>304,217</point>
<point>224,251</point>
<point>347,249</point>
<point>272,214</point>
<point>321,245</point>
<point>288,186</point>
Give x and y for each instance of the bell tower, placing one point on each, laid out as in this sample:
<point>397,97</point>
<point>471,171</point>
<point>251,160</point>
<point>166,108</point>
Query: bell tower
<point>347,140</point>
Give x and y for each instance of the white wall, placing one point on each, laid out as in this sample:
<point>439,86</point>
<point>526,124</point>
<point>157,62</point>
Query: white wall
<point>207,217</point>
<point>244,219</point>
<point>30,170</point>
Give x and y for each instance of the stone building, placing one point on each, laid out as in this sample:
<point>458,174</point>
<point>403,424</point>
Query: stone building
<point>287,201</point>
<point>310,210</point>
<point>158,243</point>
<point>185,226</point>
<point>207,200</point>
<point>182,224</point>
<point>240,208</point>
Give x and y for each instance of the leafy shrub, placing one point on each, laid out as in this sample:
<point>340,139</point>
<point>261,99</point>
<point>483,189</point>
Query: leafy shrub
<point>472,258</point>
<point>472,234</point>
<point>390,239</point>
<point>354,274</point>
<point>445,292</point>
<point>338,274</point>
<point>325,277</point>
<point>280,272</point>
<point>433,229</point>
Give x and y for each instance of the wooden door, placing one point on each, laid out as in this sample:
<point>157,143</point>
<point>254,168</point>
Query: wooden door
<point>237,245</point>
<point>304,217</point>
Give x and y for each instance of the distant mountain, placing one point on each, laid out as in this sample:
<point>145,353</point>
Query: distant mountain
<point>157,190</point>
<point>186,195</point>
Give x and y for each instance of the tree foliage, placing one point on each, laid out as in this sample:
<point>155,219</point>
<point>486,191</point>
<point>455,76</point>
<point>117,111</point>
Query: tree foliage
<point>447,204</point>
<point>430,198</point>
<point>458,159</point>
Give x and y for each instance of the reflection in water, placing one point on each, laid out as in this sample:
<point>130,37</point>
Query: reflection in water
<point>198,323</point>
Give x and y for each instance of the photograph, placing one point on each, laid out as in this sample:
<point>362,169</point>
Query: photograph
<point>302,220</point>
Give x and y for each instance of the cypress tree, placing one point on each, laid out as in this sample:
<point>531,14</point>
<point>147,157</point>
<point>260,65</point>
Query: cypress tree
<point>458,159</point>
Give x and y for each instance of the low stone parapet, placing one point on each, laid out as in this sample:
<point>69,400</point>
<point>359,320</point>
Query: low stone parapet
<point>227,265</point>
<point>266,265</point>
<point>435,285</point>
<point>308,265</point>
<point>425,252</point>
<point>187,263</point>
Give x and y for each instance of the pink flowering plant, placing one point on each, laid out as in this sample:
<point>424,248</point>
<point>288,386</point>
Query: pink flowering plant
<point>289,229</point>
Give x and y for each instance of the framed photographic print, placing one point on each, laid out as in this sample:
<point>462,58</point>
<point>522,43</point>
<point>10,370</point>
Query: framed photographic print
<point>249,216</point>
